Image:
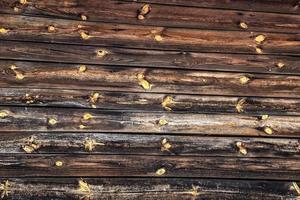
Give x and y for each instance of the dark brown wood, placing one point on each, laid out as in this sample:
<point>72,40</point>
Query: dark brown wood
<point>150,188</point>
<point>34,165</point>
<point>77,120</point>
<point>111,78</point>
<point>160,15</point>
<point>147,101</point>
<point>26,28</point>
<point>277,6</point>
<point>149,58</point>
<point>132,144</point>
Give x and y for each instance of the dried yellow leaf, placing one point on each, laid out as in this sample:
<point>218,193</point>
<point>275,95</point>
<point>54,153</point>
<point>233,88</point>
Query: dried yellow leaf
<point>4,189</point>
<point>241,147</point>
<point>52,121</point>
<point>158,38</point>
<point>58,163</point>
<point>243,25</point>
<point>87,116</point>
<point>162,122</point>
<point>244,80</point>
<point>3,30</point>
<point>82,68</point>
<point>259,39</point>
<point>160,171</point>
<point>84,35</point>
<point>3,113</point>
<point>240,104</point>
<point>268,130</point>
<point>102,52</point>
<point>166,103</point>
<point>90,144</point>
<point>142,82</point>
<point>280,65</point>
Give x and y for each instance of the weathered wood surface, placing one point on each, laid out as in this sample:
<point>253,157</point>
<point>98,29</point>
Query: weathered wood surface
<point>148,58</point>
<point>18,118</point>
<point>34,165</point>
<point>147,101</point>
<point>150,188</point>
<point>276,6</point>
<point>132,144</point>
<point>112,78</point>
<point>159,15</point>
<point>24,28</point>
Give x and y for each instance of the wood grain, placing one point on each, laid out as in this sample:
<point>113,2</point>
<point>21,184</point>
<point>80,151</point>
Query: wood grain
<point>147,101</point>
<point>132,144</point>
<point>149,58</point>
<point>24,28</point>
<point>150,188</point>
<point>111,78</point>
<point>276,6</point>
<point>160,15</point>
<point>34,165</point>
<point>18,118</point>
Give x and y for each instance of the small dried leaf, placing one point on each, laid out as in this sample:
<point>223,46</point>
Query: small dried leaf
<point>87,116</point>
<point>162,122</point>
<point>160,171</point>
<point>52,121</point>
<point>258,50</point>
<point>142,82</point>
<point>243,25</point>
<point>259,39</point>
<point>158,38</point>
<point>166,103</point>
<point>84,35</point>
<point>268,130</point>
<point>280,65</point>
<point>58,163</point>
<point>239,106</point>
<point>145,9</point>
<point>241,147</point>
<point>102,52</point>
<point>4,30</point>
<point>82,68</point>
<point>244,80</point>
<point>3,113</point>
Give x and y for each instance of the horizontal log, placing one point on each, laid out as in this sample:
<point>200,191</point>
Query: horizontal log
<point>131,144</point>
<point>150,188</point>
<point>77,120</point>
<point>147,101</point>
<point>127,79</point>
<point>34,165</point>
<point>159,15</point>
<point>24,28</point>
<point>276,6</point>
<point>149,58</point>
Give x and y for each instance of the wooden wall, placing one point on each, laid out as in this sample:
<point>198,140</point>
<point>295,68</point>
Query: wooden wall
<point>149,99</point>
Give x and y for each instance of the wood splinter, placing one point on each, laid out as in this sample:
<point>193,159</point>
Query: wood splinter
<point>166,103</point>
<point>84,189</point>
<point>241,147</point>
<point>296,188</point>
<point>90,144</point>
<point>4,189</point>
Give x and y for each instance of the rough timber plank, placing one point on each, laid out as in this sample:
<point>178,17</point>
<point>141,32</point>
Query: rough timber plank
<point>126,79</point>
<point>78,120</point>
<point>34,165</point>
<point>132,144</point>
<point>276,6</point>
<point>150,188</point>
<point>160,15</point>
<point>149,58</point>
<point>147,101</point>
<point>26,28</point>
